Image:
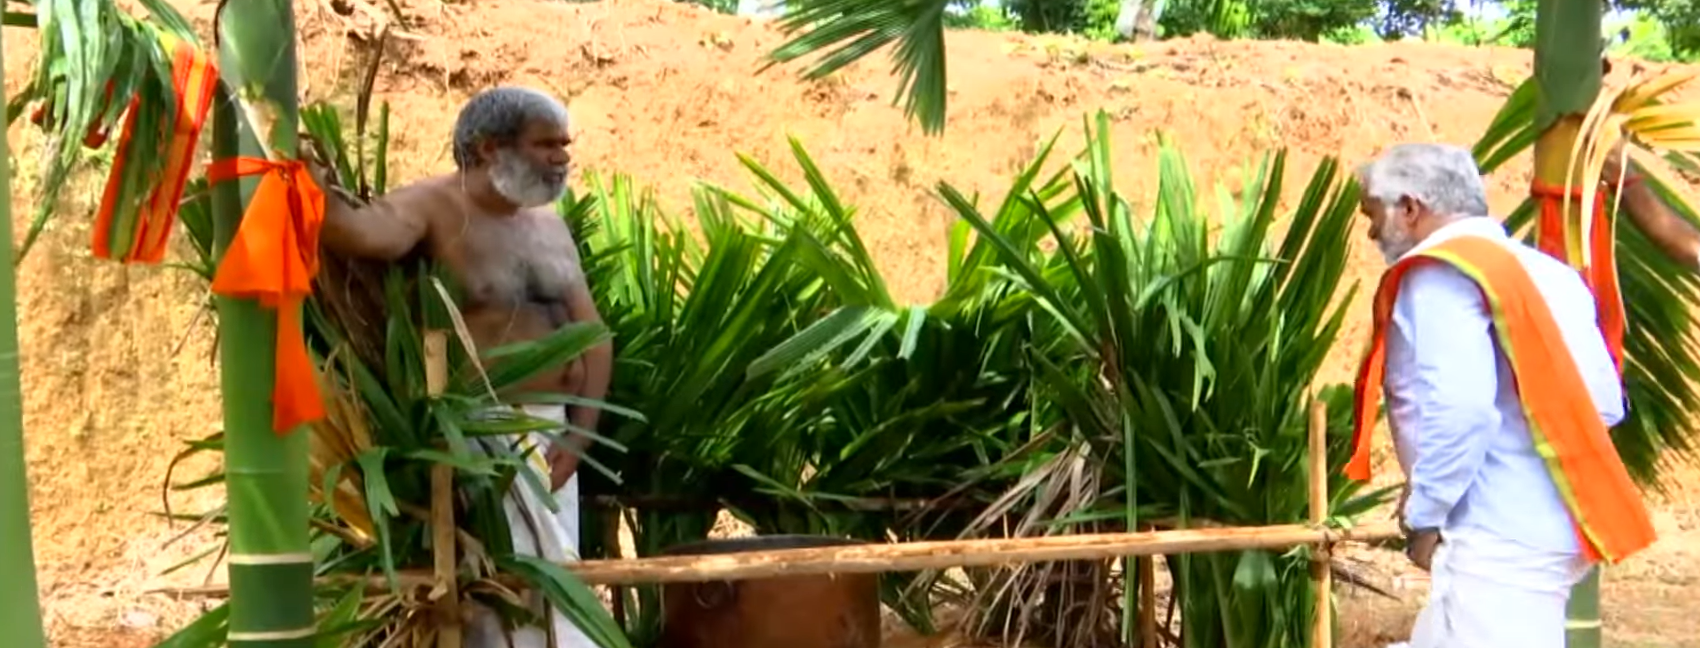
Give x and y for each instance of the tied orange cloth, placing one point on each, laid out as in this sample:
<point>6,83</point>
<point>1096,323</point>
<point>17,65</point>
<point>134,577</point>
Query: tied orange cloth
<point>273,260</point>
<point>1611,520</point>
<point>137,228</point>
<point>1562,241</point>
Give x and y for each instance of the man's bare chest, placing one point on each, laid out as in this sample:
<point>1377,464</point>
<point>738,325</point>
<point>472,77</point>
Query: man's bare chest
<point>510,262</point>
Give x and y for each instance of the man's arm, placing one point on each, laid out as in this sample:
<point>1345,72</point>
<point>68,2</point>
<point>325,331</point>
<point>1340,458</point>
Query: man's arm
<point>385,230</point>
<point>1671,233</point>
<point>1450,378</point>
<point>598,366</point>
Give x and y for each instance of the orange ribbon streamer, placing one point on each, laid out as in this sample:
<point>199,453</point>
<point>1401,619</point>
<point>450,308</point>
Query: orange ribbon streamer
<point>273,260</point>
<point>1601,274</point>
<point>194,78</point>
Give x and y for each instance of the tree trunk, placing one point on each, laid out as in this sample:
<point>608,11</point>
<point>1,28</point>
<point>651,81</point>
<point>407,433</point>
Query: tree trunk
<point>1567,68</point>
<point>271,563</point>
<point>1136,20</point>
<point>20,610</point>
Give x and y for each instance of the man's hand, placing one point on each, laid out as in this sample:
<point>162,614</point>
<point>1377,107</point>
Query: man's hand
<point>562,464</point>
<point>1420,546</point>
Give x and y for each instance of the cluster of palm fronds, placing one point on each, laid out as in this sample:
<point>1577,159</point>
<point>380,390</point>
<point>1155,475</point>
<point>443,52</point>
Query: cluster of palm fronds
<point>1153,372</point>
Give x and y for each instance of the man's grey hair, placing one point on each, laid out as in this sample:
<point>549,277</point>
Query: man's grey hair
<point>500,115</point>
<point>1443,178</point>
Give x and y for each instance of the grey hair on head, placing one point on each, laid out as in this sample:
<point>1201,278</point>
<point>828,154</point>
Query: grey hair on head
<point>500,115</point>
<point>1442,177</point>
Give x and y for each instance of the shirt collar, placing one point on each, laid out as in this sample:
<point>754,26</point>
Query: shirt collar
<point>1469,226</point>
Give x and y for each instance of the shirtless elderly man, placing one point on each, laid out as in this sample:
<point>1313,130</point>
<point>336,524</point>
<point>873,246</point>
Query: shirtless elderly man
<point>491,222</point>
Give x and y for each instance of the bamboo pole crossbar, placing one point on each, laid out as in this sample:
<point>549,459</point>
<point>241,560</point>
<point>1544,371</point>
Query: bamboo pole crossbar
<point>917,556</point>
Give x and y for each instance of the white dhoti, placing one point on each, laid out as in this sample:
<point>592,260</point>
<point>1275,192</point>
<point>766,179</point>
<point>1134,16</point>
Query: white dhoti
<point>1488,592</point>
<point>537,531</point>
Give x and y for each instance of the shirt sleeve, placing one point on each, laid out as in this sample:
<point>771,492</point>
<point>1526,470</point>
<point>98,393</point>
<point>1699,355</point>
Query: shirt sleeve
<point>1452,379</point>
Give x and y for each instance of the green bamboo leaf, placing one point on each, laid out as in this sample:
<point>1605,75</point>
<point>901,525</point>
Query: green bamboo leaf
<point>567,594</point>
<point>206,631</point>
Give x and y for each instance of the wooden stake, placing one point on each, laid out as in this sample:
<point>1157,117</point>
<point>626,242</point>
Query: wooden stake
<point>436,362</point>
<point>446,591</point>
<point>1322,577</point>
<point>1147,601</point>
<point>914,556</point>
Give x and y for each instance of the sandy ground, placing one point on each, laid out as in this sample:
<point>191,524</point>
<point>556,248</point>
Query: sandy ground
<point>116,362</point>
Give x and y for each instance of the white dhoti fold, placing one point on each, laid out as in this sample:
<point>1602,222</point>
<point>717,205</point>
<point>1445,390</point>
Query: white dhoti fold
<point>1488,592</point>
<point>537,531</point>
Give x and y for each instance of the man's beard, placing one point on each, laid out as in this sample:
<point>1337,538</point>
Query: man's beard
<point>1395,239</point>
<point>523,183</point>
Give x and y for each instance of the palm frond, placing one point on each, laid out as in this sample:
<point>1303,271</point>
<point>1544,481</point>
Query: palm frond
<point>853,29</point>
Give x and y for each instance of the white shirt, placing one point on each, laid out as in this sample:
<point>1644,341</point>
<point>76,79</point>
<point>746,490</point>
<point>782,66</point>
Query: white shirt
<point>1457,423</point>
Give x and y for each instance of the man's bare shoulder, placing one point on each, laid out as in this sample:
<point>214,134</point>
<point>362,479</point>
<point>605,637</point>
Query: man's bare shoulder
<point>425,191</point>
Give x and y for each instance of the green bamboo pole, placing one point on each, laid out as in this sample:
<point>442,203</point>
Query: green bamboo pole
<point>271,564</point>
<point>1567,69</point>
<point>20,609</point>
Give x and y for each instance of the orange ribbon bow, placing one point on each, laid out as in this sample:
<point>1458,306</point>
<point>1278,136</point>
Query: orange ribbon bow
<point>273,260</point>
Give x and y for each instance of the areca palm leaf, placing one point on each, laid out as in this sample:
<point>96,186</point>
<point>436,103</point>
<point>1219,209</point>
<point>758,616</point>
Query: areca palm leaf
<point>1661,359</point>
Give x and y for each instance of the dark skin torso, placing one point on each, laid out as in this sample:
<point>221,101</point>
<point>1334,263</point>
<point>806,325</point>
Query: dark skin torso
<point>513,271</point>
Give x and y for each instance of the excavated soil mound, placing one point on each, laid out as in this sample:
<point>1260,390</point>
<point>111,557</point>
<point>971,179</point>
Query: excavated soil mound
<point>117,363</point>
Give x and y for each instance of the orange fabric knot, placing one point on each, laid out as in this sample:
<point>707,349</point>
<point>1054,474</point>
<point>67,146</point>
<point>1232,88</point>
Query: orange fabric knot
<point>273,260</point>
<point>1553,236</point>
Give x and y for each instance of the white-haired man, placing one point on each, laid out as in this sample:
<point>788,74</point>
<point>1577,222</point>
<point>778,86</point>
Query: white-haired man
<point>491,222</point>
<point>1500,392</point>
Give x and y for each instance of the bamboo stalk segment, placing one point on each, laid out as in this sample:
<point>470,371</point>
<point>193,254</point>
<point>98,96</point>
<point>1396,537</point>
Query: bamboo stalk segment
<point>446,592</point>
<point>918,556</point>
<point>1147,601</point>
<point>1321,572</point>
<point>436,362</point>
<point>913,556</point>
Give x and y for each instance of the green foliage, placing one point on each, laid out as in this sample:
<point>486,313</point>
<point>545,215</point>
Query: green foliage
<point>1308,20</point>
<point>1680,20</point>
<point>1402,18</point>
<point>775,372</point>
<point>982,16</point>
<point>1091,18</point>
<point>722,6</point>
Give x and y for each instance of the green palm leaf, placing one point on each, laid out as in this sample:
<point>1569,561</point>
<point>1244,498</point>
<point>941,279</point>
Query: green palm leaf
<point>853,29</point>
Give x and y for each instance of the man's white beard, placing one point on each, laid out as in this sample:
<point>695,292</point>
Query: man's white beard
<point>521,183</point>
<point>1395,239</point>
